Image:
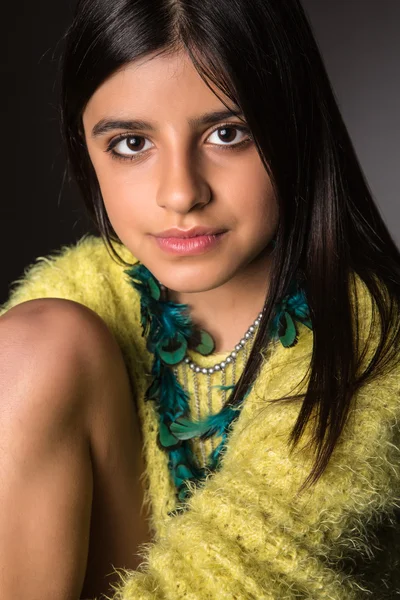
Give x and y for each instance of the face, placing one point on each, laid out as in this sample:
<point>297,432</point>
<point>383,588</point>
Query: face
<point>182,181</point>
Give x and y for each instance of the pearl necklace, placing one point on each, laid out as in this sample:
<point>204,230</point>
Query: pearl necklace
<point>219,368</point>
<point>231,358</point>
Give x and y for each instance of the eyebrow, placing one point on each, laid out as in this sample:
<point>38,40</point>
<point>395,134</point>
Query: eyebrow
<point>110,124</point>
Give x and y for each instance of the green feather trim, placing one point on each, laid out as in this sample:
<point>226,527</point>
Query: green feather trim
<point>166,438</point>
<point>155,291</point>
<point>170,333</point>
<point>287,330</point>
<point>185,429</point>
<point>205,345</point>
<point>173,350</point>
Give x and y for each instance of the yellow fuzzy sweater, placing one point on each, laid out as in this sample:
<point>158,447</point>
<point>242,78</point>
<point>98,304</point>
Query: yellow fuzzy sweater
<point>248,534</point>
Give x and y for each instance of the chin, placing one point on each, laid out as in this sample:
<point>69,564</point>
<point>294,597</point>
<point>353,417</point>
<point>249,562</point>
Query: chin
<point>192,281</point>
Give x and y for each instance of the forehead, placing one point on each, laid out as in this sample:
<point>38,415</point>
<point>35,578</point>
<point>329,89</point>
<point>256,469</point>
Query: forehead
<point>161,87</point>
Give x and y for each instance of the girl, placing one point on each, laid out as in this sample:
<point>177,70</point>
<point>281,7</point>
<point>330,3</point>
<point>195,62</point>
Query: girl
<point>204,399</point>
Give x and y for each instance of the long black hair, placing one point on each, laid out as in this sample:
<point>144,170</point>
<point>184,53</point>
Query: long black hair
<point>262,54</point>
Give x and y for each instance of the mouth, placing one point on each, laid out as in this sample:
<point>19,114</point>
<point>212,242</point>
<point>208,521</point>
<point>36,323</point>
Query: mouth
<point>176,233</point>
<point>189,243</point>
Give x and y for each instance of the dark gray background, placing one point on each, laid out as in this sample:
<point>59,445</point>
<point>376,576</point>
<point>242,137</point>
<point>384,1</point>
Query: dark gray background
<point>360,43</point>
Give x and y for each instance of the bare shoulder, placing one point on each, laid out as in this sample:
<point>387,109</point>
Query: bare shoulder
<point>44,316</point>
<point>55,343</point>
<point>54,323</point>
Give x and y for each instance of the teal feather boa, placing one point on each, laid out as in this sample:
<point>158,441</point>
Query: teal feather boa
<point>170,332</point>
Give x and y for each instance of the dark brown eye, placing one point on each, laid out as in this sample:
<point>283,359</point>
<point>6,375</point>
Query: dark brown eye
<point>227,134</point>
<point>135,143</point>
<point>129,146</point>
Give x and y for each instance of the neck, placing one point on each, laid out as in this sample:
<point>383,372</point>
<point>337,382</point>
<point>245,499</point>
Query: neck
<point>227,311</point>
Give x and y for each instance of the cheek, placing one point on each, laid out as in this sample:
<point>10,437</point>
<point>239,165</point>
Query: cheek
<point>259,211</point>
<point>124,193</point>
<point>262,220</point>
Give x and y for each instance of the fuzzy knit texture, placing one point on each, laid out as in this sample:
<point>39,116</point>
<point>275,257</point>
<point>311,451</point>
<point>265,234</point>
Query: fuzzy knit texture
<point>247,534</point>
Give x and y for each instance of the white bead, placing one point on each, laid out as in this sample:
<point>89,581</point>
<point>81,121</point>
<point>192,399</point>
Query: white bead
<point>233,355</point>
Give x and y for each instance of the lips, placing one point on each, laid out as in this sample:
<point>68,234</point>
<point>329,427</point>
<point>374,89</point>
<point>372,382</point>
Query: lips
<point>189,233</point>
<point>190,242</point>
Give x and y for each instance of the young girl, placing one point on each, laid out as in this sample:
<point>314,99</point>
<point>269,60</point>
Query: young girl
<point>204,400</point>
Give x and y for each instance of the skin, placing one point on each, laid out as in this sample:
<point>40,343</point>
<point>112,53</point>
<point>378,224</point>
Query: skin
<point>177,175</point>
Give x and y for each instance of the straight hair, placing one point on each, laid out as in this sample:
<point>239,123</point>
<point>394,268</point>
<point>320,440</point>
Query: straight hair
<point>262,55</point>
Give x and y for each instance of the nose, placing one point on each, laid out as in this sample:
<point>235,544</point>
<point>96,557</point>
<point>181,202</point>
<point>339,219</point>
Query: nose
<point>182,187</point>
